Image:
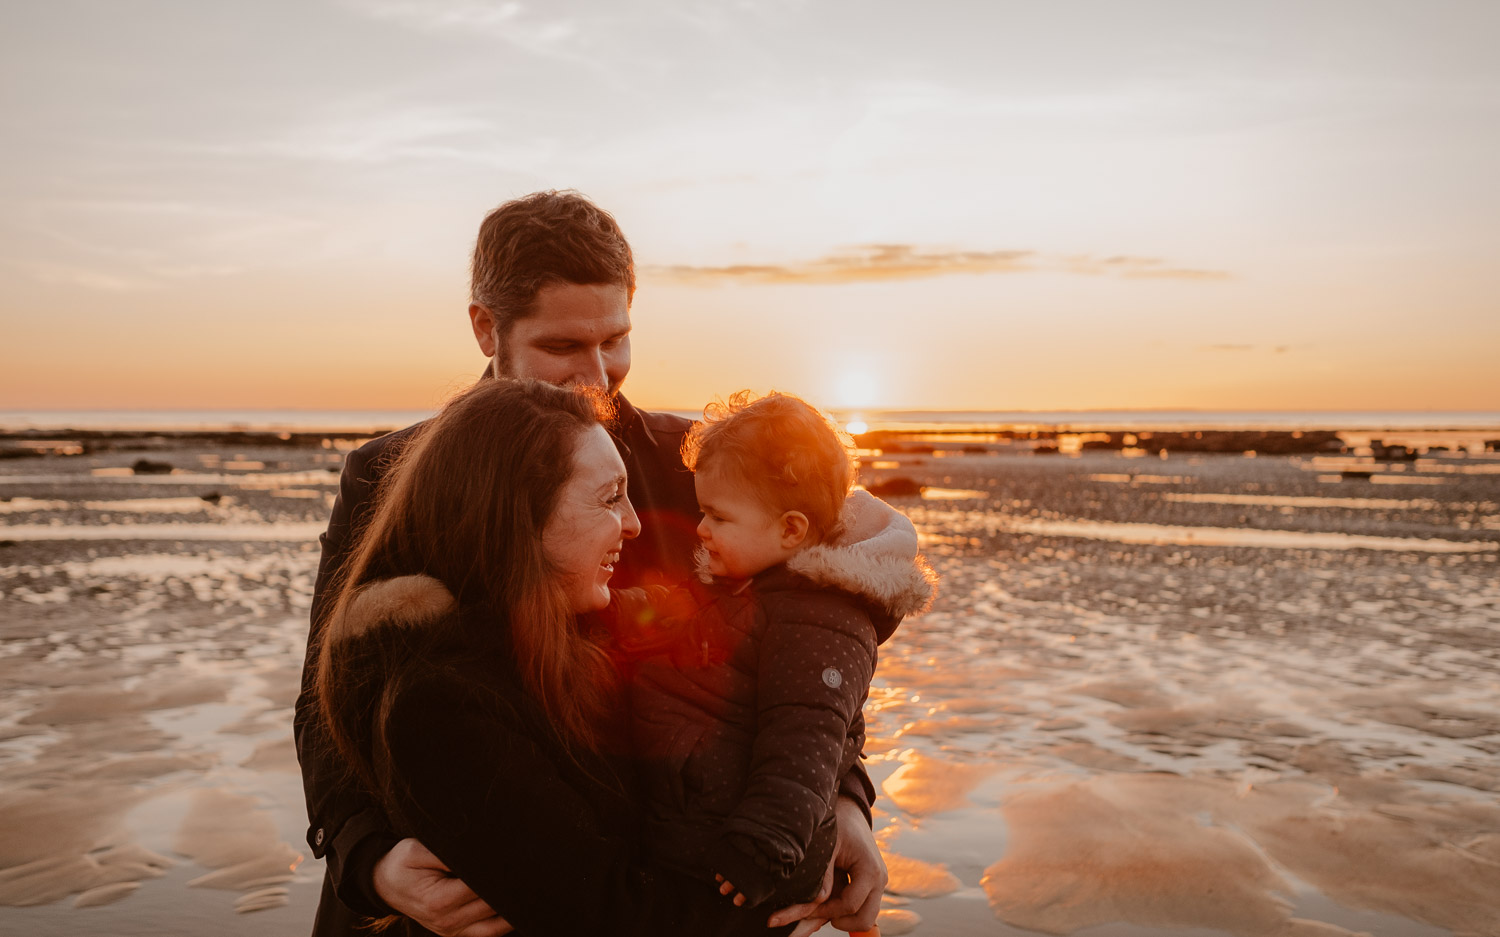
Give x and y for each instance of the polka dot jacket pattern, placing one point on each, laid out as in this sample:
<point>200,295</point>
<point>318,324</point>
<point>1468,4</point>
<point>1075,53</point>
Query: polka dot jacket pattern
<point>747,706</point>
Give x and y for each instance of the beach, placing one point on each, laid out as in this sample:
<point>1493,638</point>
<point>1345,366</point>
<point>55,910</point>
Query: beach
<point>1170,682</point>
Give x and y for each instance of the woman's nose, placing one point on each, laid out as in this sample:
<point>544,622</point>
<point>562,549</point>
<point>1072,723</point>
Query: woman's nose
<point>630,524</point>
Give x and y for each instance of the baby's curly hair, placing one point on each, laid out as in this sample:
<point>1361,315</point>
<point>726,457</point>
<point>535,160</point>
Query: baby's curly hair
<point>791,456</point>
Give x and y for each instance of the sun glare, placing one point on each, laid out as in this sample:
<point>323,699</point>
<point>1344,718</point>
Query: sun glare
<point>855,389</point>
<point>856,427</point>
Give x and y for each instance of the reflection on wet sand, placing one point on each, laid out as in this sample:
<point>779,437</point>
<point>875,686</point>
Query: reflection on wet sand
<point>1226,537</point>
<point>1112,722</point>
<point>126,476</point>
<point>1114,726</point>
<point>1199,852</point>
<point>1306,501</point>
<point>148,671</point>
<point>285,533</point>
<point>228,833</point>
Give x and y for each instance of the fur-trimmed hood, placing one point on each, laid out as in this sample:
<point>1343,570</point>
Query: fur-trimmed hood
<point>405,602</point>
<point>874,558</point>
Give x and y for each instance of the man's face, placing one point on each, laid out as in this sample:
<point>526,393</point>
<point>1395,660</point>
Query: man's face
<point>577,334</point>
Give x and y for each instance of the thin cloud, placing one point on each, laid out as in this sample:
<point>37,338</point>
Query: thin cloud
<point>506,20</point>
<point>875,262</point>
<point>861,264</point>
<point>420,133</point>
<point>381,135</point>
<point>69,275</point>
<point>1139,268</point>
<point>1225,346</point>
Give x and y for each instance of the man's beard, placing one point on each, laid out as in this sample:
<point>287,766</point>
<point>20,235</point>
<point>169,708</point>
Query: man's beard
<point>612,392</point>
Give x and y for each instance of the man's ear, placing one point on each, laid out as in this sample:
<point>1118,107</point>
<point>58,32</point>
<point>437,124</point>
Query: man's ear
<point>793,529</point>
<point>483,322</point>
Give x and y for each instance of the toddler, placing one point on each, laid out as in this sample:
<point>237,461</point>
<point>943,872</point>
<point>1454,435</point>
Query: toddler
<point>747,688</point>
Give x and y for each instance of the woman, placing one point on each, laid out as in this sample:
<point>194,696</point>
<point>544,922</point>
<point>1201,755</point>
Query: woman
<point>460,689</point>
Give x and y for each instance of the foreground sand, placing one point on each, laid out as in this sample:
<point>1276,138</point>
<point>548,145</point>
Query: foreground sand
<point>1114,720</point>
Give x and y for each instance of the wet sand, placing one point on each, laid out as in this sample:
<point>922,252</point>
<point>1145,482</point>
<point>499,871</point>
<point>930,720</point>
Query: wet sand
<point>1216,694</point>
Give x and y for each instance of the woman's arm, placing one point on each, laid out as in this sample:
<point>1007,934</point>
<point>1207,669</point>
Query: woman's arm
<point>489,801</point>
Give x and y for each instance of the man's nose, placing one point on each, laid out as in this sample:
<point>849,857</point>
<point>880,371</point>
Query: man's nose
<point>590,371</point>
<point>703,529</point>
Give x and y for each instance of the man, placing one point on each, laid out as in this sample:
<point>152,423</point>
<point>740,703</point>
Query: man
<point>553,279</point>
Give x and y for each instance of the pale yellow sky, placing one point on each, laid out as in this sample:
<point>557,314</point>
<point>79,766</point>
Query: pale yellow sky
<point>1024,206</point>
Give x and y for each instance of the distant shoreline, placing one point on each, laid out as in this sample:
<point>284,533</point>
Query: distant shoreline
<point>273,424</point>
<point>935,439</point>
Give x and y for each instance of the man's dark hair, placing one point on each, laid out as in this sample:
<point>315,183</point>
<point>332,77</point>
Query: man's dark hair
<point>542,239</point>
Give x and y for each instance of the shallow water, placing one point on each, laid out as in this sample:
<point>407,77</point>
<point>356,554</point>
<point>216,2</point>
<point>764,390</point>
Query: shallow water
<point>236,533</point>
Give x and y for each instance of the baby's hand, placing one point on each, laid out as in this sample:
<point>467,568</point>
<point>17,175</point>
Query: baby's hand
<point>727,888</point>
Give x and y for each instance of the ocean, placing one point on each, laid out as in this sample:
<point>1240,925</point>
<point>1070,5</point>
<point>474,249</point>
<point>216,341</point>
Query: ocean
<point>383,420</point>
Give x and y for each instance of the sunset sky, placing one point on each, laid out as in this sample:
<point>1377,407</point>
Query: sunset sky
<point>1007,205</point>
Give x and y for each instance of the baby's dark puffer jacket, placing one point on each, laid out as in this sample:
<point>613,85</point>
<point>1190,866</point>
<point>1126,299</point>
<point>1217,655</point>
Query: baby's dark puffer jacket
<point>750,709</point>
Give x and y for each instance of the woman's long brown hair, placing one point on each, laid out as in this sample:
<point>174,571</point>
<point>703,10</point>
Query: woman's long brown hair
<point>466,502</point>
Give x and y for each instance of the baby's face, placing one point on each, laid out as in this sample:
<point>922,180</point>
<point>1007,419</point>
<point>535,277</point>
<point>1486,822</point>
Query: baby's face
<point>742,535</point>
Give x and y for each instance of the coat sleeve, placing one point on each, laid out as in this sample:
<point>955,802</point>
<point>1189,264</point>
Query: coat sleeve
<point>812,678</point>
<point>346,826</point>
<point>491,803</point>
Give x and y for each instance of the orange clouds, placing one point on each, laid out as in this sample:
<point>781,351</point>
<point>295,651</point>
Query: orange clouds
<point>874,262</point>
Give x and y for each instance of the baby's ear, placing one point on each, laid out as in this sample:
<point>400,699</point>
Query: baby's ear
<point>793,529</point>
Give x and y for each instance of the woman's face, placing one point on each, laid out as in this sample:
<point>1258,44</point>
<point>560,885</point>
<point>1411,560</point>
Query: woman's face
<point>591,522</point>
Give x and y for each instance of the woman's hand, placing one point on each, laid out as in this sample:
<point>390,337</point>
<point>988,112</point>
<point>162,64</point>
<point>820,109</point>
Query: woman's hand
<point>415,883</point>
<point>857,903</point>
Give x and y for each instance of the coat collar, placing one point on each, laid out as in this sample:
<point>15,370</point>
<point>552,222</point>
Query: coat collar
<point>875,559</point>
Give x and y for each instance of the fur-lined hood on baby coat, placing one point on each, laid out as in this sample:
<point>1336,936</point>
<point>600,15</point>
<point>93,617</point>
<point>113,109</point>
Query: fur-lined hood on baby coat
<point>875,558</point>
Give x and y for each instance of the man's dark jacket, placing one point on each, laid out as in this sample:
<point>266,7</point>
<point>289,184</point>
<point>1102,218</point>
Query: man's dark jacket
<point>346,827</point>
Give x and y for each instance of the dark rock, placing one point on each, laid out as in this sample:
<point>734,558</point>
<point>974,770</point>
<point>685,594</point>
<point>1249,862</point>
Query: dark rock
<point>898,487</point>
<point>1264,442</point>
<point>147,467</point>
<point>1044,450</point>
<point>213,497</point>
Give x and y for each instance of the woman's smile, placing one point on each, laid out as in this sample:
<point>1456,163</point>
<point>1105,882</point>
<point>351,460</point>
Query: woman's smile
<point>593,518</point>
